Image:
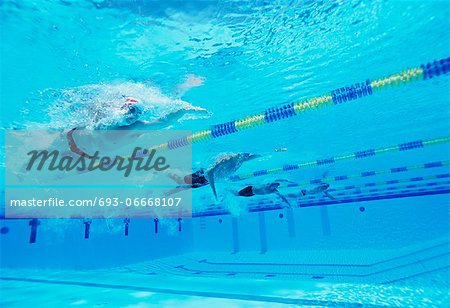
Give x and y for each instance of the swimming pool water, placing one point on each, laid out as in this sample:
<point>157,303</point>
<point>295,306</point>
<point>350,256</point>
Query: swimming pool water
<point>382,241</point>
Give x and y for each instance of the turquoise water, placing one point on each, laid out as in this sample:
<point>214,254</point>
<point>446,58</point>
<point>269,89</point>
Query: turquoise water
<point>384,239</point>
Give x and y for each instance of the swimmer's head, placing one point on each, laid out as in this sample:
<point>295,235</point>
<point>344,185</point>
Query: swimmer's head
<point>131,112</point>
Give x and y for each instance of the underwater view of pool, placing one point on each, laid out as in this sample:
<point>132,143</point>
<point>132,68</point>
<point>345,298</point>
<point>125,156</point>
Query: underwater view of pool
<point>225,153</point>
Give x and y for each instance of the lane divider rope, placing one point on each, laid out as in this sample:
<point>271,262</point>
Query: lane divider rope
<point>269,206</point>
<point>371,189</point>
<point>374,173</point>
<point>416,144</point>
<point>341,95</point>
<point>360,193</point>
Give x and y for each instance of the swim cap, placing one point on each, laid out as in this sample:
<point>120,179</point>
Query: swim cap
<point>131,110</point>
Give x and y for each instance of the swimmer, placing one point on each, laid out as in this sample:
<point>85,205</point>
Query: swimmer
<point>225,166</point>
<point>266,189</point>
<point>131,114</point>
<point>322,188</point>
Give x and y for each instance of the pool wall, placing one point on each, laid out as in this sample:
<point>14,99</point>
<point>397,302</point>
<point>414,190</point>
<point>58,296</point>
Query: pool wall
<point>383,224</point>
<point>354,227</point>
<point>64,245</point>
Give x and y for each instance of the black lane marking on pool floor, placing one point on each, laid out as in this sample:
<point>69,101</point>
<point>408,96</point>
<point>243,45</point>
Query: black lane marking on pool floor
<point>315,274</point>
<point>205,261</point>
<point>246,297</point>
<point>417,275</point>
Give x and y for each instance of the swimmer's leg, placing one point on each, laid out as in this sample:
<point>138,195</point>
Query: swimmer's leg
<point>172,117</point>
<point>210,178</point>
<point>176,190</point>
<point>233,192</point>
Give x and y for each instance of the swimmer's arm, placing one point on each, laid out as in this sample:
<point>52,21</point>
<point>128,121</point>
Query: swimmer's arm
<point>141,125</point>
<point>233,192</point>
<point>326,193</point>
<point>162,122</point>
<point>283,198</point>
<point>172,117</point>
<point>176,115</point>
<point>156,124</point>
<point>73,145</point>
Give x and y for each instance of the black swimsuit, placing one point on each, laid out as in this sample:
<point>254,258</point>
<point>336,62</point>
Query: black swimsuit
<point>246,192</point>
<point>196,180</point>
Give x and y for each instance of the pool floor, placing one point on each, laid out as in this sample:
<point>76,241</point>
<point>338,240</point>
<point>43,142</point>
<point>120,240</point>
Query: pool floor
<point>413,276</point>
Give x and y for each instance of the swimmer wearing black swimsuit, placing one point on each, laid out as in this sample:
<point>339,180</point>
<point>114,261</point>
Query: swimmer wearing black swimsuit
<point>271,188</point>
